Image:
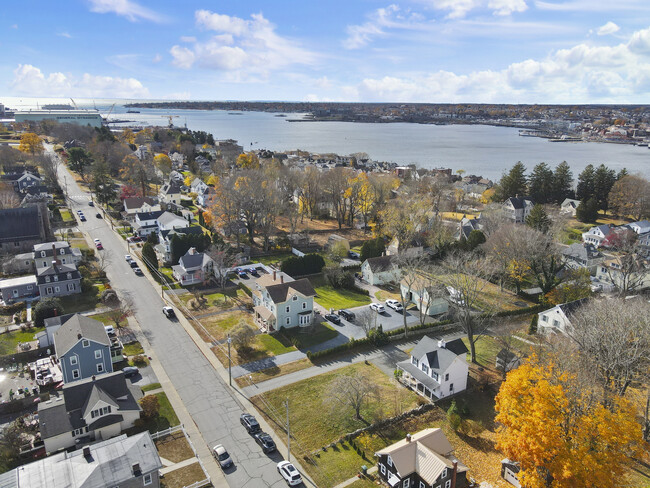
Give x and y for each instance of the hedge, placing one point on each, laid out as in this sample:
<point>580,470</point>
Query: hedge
<point>13,308</point>
<point>305,265</point>
<point>245,289</point>
<point>522,311</point>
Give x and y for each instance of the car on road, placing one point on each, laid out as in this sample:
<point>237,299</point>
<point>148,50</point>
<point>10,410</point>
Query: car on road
<point>130,371</point>
<point>91,204</point>
<point>82,217</point>
<point>242,273</point>
<point>134,239</point>
<point>220,454</point>
<point>137,271</point>
<point>98,215</point>
<point>332,317</point>
<point>128,258</point>
<point>79,212</point>
<point>250,423</point>
<point>377,307</point>
<point>347,315</point>
<point>169,312</point>
<point>353,255</point>
<point>394,304</point>
<point>133,264</point>
<point>289,473</point>
<point>98,244</point>
<point>265,441</point>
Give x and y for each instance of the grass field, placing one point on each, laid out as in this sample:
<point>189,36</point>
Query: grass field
<point>219,325</point>
<point>174,447</point>
<point>82,302</point>
<point>166,416</point>
<point>132,349</point>
<point>149,387</point>
<point>308,336</point>
<point>217,301</point>
<point>9,341</point>
<point>185,476</point>
<point>269,260</point>
<point>273,372</point>
<point>329,297</point>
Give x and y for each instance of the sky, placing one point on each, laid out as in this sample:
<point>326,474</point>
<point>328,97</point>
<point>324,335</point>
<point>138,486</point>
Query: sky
<point>438,51</point>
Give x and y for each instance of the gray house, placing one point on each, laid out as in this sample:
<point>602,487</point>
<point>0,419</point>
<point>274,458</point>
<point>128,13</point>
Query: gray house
<point>127,462</point>
<point>580,255</point>
<point>47,252</point>
<point>89,410</point>
<point>18,289</point>
<point>193,268</point>
<point>83,348</point>
<point>21,228</point>
<point>57,280</point>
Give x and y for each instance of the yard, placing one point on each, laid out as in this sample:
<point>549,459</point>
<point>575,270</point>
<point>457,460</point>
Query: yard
<point>220,325</point>
<point>273,372</point>
<point>9,341</point>
<point>331,298</point>
<point>66,216</point>
<point>166,416</point>
<point>185,476</point>
<point>270,260</point>
<point>174,447</point>
<point>217,301</point>
<point>82,302</point>
<point>306,337</point>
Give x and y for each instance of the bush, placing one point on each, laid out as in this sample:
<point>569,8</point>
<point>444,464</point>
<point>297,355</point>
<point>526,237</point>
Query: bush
<point>372,249</point>
<point>46,308</point>
<point>139,360</point>
<point>109,297</point>
<point>532,328</point>
<point>150,406</point>
<point>298,266</point>
<point>453,416</point>
<point>338,278</point>
<point>13,308</point>
<point>242,335</point>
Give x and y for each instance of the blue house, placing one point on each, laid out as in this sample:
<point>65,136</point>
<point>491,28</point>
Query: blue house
<point>83,348</point>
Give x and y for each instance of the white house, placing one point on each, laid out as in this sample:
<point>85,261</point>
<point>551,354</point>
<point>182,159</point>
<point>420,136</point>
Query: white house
<point>170,221</point>
<point>596,235</point>
<point>518,208</point>
<point>640,227</point>
<point>420,292</point>
<point>170,193</point>
<point>193,268</point>
<point>436,368</point>
<point>134,205</point>
<point>280,301</point>
<point>380,270</point>
<point>145,223</point>
<point>635,278</point>
<point>557,320</point>
<point>198,185</point>
<point>569,206</point>
<point>579,255</point>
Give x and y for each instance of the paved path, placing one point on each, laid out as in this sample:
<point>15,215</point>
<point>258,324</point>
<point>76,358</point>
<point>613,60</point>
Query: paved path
<point>265,363</point>
<point>356,478</point>
<point>182,464</point>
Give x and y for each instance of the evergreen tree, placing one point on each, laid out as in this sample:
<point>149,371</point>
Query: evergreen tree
<point>585,189</point>
<point>538,219</point>
<point>604,179</point>
<point>587,211</point>
<point>562,183</point>
<point>513,183</point>
<point>621,174</point>
<point>102,184</point>
<point>149,256</point>
<point>540,183</point>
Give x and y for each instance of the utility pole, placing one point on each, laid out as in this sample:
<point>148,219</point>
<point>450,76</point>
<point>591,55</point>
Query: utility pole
<point>229,362</point>
<point>288,432</point>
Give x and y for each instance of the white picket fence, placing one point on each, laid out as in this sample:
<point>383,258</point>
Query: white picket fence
<point>166,432</point>
<point>178,428</point>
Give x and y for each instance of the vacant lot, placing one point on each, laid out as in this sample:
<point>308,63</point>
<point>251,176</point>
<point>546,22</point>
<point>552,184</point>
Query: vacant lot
<point>331,298</point>
<point>273,372</point>
<point>183,477</point>
<point>174,447</point>
<point>220,325</point>
<point>9,341</point>
<point>216,302</point>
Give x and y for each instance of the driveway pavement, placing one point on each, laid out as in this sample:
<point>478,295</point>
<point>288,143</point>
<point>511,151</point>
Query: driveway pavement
<point>211,405</point>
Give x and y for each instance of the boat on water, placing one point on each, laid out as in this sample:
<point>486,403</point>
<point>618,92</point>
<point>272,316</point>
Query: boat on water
<point>132,111</point>
<point>280,115</point>
<point>235,113</point>
<point>566,138</point>
<point>57,106</point>
<point>532,133</point>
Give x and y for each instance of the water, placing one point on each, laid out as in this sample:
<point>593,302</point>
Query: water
<point>482,150</point>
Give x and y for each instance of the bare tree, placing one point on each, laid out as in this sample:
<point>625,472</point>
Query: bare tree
<point>8,197</point>
<point>367,320</point>
<point>121,311</point>
<point>335,184</point>
<point>506,246</point>
<point>49,166</point>
<point>543,257</point>
<point>352,391</point>
<point>628,269</point>
<point>224,258</point>
<point>409,265</point>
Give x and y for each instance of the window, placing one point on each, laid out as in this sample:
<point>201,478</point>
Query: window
<point>451,387</point>
<point>70,286</point>
<point>100,368</point>
<point>288,320</point>
<point>77,432</point>
<point>75,374</point>
<point>98,354</point>
<point>85,343</point>
<point>30,287</point>
<point>544,318</point>
<point>16,244</point>
<point>447,377</point>
<point>555,323</point>
<point>62,251</point>
<point>56,278</point>
<point>57,289</point>
<point>27,263</point>
<point>47,279</point>
<point>304,305</point>
<point>73,360</point>
<point>425,368</point>
<point>304,319</point>
<point>147,479</point>
<point>414,361</point>
<point>288,309</point>
<point>63,261</point>
<point>448,484</point>
<point>295,298</point>
<point>100,411</point>
<point>422,485</point>
<point>42,254</point>
<point>444,473</point>
<point>48,290</point>
<point>389,461</point>
<point>407,483</point>
<point>434,376</point>
<point>69,276</point>
<point>383,469</point>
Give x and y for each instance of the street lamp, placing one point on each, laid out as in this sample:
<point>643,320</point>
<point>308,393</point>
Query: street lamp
<point>229,362</point>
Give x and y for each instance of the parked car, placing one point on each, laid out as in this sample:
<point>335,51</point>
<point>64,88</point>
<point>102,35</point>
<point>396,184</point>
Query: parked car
<point>133,264</point>
<point>254,272</point>
<point>242,273</point>
<point>332,317</point>
<point>98,244</point>
<point>221,455</point>
<point>79,212</point>
<point>289,473</point>
<point>91,204</point>
<point>137,271</point>
<point>250,423</point>
<point>353,255</point>
<point>109,329</point>
<point>128,258</point>
<point>394,304</point>
<point>169,312</point>
<point>82,217</point>
<point>98,215</point>
<point>134,239</point>
<point>130,371</point>
<point>347,315</point>
<point>377,307</point>
<point>265,441</point>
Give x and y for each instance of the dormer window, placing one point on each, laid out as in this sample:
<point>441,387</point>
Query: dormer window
<point>62,251</point>
<point>42,254</point>
<point>47,279</point>
<point>69,275</point>
<point>414,360</point>
<point>295,298</point>
<point>56,278</point>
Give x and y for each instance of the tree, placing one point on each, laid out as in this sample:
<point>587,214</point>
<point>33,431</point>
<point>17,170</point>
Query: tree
<point>352,391</point>
<point>558,434</point>
<point>512,184</point>
<point>12,439</point>
<point>102,184</point>
<point>248,160</point>
<point>544,260</point>
<point>163,163</point>
<point>46,308</point>
<point>628,269</point>
<point>242,335</point>
<point>150,406</point>
<point>585,188</point>
<point>587,211</point>
<point>136,172</point>
<point>630,196</point>
<point>604,179</point>
<point>120,312</point>
<point>181,243</point>
<point>453,416</point>
<point>372,249</point>
<point>402,218</point>
<point>538,219</point>
<point>540,183</point>
<point>224,257</point>
<point>562,183</point>
<point>338,251</point>
<point>577,286</point>
<point>149,256</point>
<point>335,188</point>
<point>474,239</point>
<point>30,143</point>
<point>79,160</point>
<point>505,249</point>
<point>367,320</point>
<point>49,167</point>
<point>409,265</point>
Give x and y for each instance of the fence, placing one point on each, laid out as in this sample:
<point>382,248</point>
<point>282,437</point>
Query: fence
<point>172,430</point>
<point>166,432</point>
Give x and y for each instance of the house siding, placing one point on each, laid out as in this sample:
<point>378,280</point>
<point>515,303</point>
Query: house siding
<point>50,289</point>
<point>86,362</point>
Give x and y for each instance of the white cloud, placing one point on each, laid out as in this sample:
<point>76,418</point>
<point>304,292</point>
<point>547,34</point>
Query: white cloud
<point>157,58</point>
<point>460,8</point>
<point>609,28</point>
<point>188,39</point>
<point>126,8</point>
<point>64,34</point>
<point>30,80</point>
<point>245,46</point>
<point>581,74</point>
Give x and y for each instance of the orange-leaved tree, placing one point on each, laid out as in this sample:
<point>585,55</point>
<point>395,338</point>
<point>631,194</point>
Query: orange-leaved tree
<point>31,143</point>
<point>560,435</point>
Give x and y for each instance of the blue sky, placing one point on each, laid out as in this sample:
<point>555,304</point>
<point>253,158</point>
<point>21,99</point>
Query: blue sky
<point>501,51</point>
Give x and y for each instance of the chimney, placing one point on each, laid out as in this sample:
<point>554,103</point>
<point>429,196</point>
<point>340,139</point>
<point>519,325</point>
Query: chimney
<point>274,273</point>
<point>135,467</point>
<point>442,343</point>
<point>93,377</point>
<point>453,475</point>
<point>281,278</point>
<point>79,336</point>
<point>56,257</point>
<point>86,452</point>
<point>408,437</point>
<point>192,251</point>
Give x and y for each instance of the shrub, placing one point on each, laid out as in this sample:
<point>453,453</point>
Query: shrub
<point>109,297</point>
<point>150,406</point>
<point>308,264</point>
<point>13,308</point>
<point>139,360</point>
<point>46,308</point>
<point>532,328</point>
<point>453,416</point>
<point>372,249</point>
<point>339,278</point>
<point>242,335</point>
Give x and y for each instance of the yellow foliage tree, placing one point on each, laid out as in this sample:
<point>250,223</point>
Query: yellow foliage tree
<point>213,180</point>
<point>127,136</point>
<point>187,181</point>
<point>517,272</point>
<point>31,143</point>
<point>487,195</point>
<point>248,160</point>
<point>163,162</point>
<point>562,437</point>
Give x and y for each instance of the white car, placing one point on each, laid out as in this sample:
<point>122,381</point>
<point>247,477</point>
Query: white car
<point>109,329</point>
<point>221,455</point>
<point>377,307</point>
<point>289,473</point>
<point>128,258</point>
<point>394,304</point>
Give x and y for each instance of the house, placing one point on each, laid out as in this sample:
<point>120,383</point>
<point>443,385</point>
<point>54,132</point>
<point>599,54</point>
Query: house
<point>163,248</point>
<point>206,197</point>
<point>569,206</point>
<point>127,462</point>
<point>170,221</point>
<point>93,409</point>
<point>146,223</point>
<point>412,249</point>
<point>18,289</point>
<point>634,276</point>
<point>21,228</point>
<point>436,369</point>
<point>558,319</point>
<point>509,471</point>
<point>83,348</point>
<point>507,360</point>
<point>596,235</point>
<point>134,205</point>
<point>419,292</point>
<point>421,460</point>
<point>198,186</point>
<point>380,270</point>
<point>46,253</point>
<point>640,227</point>
<point>580,255</point>
<point>58,280</point>
<point>280,301</point>
<point>466,227</point>
<point>170,193</point>
<point>22,181</point>
<point>19,263</point>
<point>193,268</point>
<point>518,208</point>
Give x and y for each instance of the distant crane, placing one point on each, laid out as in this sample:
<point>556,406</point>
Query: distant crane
<point>74,103</point>
<point>170,117</point>
<point>109,113</point>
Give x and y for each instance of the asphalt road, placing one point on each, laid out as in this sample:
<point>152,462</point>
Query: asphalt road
<point>210,402</point>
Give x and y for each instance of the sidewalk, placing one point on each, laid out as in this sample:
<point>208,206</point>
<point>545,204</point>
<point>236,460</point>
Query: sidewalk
<point>265,363</point>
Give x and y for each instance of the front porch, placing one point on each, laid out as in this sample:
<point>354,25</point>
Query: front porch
<point>264,319</point>
<point>418,380</point>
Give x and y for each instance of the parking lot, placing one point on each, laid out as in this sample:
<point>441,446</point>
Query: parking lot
<point>389,320</point>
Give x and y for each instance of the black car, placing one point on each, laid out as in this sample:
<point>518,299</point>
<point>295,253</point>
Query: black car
<point>91,204</point>
<point>347,315</point>
<point>98,215</point>
<point>130,371</point>
<point>353,255</point>
<point>250,423</point>
<point>133,264</point>
<point>254,272</point>
<point>137,271</point>
<point>335,319</point>
<point>265,442</point>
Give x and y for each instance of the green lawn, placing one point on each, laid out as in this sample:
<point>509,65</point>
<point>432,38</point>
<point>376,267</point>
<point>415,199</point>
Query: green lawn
<point>273,259</point>
<point>329,297</point>
<point>152,386</point>
<point>132,349</point>
<point>217,301</point>
<point>220,325</point>
<point>82,302</point>
<point>9,341</point>
<point>166,416</point>
<point>66,215</point>
<point>488,347</point>
<point>308,336</point>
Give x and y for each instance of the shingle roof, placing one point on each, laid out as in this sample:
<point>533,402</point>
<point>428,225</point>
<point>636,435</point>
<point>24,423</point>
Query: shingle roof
<point>195,229</point>
<point>137,202</point>
<point>19,224</point>
<point>519,202</point>
<point>280,293</point>
<point>149,215</point>
<point>168,218</point>
<point>68,334</point>
<point>581,251</point>
<point>47,246</point>
<point>381,263</point>
<point>439,358</point>
<point>196,260</point>
<point>570,307</point>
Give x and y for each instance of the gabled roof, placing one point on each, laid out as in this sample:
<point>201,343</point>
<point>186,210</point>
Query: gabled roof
<point>280,293</point>
<point>171,188</point>
<point>519,202</point>
<point>581,251</point>
<point>570,202</point>
<point>167,218</point>
<point>439,358</point>
<point>604,228</point>
<point>149,215</point>
<point>137,202</point>
<point>379,264</point>
<point>19,224</point>
<point>195,260</point>
<point>68,334</point>
<point>47,246</point>
<point>194,229</point>
<point>571,307</point>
